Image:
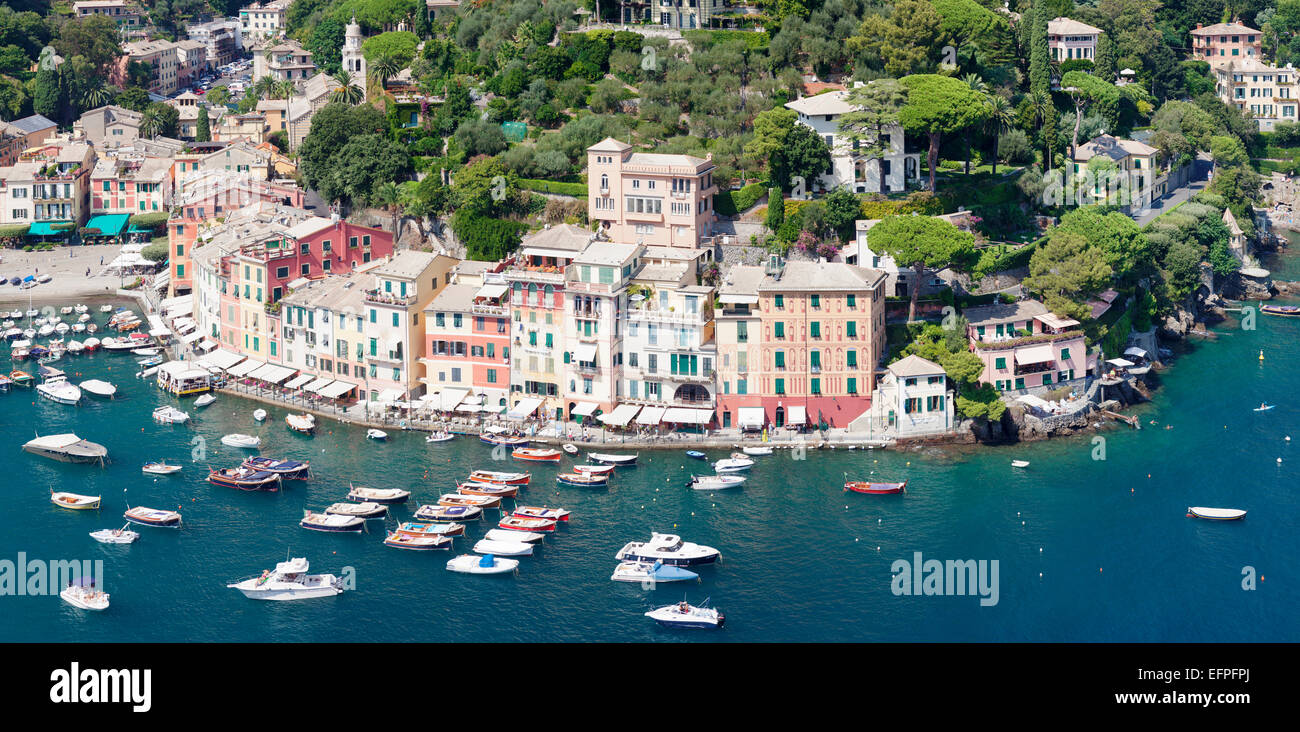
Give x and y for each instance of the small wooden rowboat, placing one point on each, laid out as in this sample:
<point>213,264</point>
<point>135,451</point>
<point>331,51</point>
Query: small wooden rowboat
<point>862,486</point>
<point>497,476</point>
<point>377,495</point>
<point>522,523</point>
<point>594,469</point>
<point>488,489</point>
<point>613,459</point>
<point>542,512</point>
<point>536,454</point>
<point>413,528</point>
<point>583,480</point>
<point>454,499</point>
<point>447,513</point>
<point>1284,310</point>
<point>1216,514</point>
<point>153,517</point>
<point>74,501</point>
<point>409,541</point>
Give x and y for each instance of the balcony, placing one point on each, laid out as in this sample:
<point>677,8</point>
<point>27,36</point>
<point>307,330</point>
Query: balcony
<point>586,369</point>
<point>385,356</point>
<point>595,288</point>
<point>389,298</point>
<point>704,375</point>
<point>670,316</point>
<point>547,275</point>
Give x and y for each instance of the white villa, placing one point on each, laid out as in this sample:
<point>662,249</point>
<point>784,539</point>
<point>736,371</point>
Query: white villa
<point>822,113</point>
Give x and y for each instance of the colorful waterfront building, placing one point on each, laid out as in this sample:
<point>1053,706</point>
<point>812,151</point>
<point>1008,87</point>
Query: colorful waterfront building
<point>738,330</point>
<point>130,184</point>
<point>322,329</point>
<point>595,302</point>
<point>913,399</point>
<point>1023,345</point>
<point>404,286</point>
<point>467,343</point>
<point>650,198</point>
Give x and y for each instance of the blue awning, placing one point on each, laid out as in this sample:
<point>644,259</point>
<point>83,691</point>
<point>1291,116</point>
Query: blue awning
<point>46,228</point>
<point>108,224</point>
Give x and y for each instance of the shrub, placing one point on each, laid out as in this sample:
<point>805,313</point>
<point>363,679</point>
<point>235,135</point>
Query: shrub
<point>731,203</point>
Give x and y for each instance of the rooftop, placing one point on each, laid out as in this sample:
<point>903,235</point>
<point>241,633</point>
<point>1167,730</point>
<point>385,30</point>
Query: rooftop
<point>1222,29</point>
<point>833,102</point>
<point>816,276</point>
<point>1070,27</point>
<point>1004,312</point>
<point>407,264</point>
<point>453,298</point>
<point>914,365</point>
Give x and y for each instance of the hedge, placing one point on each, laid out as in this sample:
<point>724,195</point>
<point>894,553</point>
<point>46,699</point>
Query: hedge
<point>577,190</point>
<point>730,203</point>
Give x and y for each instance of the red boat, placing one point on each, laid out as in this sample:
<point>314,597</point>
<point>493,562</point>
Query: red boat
<point>541,512</point>
<point>861,486</point>
<point>520,523</point>
<point>495,476</point>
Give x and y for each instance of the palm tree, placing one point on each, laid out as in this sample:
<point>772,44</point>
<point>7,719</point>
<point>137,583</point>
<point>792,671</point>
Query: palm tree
<point>263,86</point>
<point>1040,103</point>
<point>347,93</point>
<point>97,96</point>
<point>384,68</point>
<point>283,89</point>
<point>150,123</point>
<point>998,119</point>
<point>979,87</point>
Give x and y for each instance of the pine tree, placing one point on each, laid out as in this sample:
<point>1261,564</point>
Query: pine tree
<point>203,128</point>
<point>1040,79</point>
<point>46,94</point>
<point>1105,64</point>
<point>775,209</point>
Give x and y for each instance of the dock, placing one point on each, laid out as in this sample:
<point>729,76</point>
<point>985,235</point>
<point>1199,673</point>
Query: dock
<point>1131,420</point>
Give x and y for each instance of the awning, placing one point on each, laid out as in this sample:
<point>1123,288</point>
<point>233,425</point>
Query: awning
<point>1135,351</point>
<point>491,291</point>
<point>796,415</point>
<point>469,408</point>
<point>450,398</point>
<point>524,407</point>
<point>1053,321</point>
<point>188,337</point>
<point>245,368</point>
<point>1035,354</point>
<point>621,415</point>
<point>159,333</point>
<point>337,389</point>
<point>224,359</point>
<point>207,344</point>
<point>46,228</point>
<point>300,381</point>
<point>1121,363</point>
<point>297,283</point>
<point>391,395</point>
<point>156,322</point>
<point>650,415</point>
<point>273,374</point>
<point>320,383</point>
<point>585,352</point>
<point>751,418</point>
<point>108,224</point>
<point>685,415</point>
<point>584,409</point>
<point>738,298</point>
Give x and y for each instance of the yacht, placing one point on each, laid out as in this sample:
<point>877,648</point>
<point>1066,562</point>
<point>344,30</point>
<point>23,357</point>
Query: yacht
<point>59,389</point>
<point>684,615</point>
<point>668,548</point>
<point>289,581</point>
<point>82,594</point>
<point>648,573</point>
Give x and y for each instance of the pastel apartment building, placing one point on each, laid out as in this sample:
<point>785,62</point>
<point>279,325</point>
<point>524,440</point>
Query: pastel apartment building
<point>130,184</point>
<point>1222,43</point>
<point>222,39</point>
<point>1023,345</point>
<point>288,61</point>
<point>125,14</point>
<point>1135,160</point>
<point>738,333</point>
<point>108,127</point>
<point>1069,39</point>
<point>48,185</point>
<point>595,299</point>
<point>395,322</point>
<point>165,62</point>
<point>20,134</point>
<point>467,342</point>
<point>1267,92</point>
<point>321,330</point>
<point>650,198</point>
<point>849,167</point>
<point>263,20</point>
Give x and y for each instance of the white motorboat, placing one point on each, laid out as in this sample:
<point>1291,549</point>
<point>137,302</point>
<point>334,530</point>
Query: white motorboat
<point>486,564</point>
<point>58,389</point>
<point>75,347</point>
<point>170,415</point>
<point>105,308</point>
<point>45,330</point>
<point>79,328</point>
<point>115,536</point>
<point>374,434</point>
<point>367,510</point>
<point>259,415</point>
<point>612,459</point>
<point>98,388</point>
<point>241,441</point>
<point>685,615</point>
<point>756,451</point>
<point>733,465</point>
<point>81,593</point>
<point>440,437</point>
<point>62,328</point>
<point>511,536</point>
<point>289,581</point>
<point>715,482</point>
<point>504,548</point>
<point>1216,514</point>
<point>668,548</point>
<point>1019,463</point>
<point>569,448</point>
<point>146,351</point>
<point>66,310</point>
<point>91,327</point>
<point>160,468</point>
<point>651,572</point>
<point>305,423</point>
<point>204,400</point>
<point>332,522</point>
<point>79,308</point>
<point>91,343</point>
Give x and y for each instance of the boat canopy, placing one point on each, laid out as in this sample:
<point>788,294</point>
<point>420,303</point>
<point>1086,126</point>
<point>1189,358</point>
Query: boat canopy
<point>523,408</point>
<point>55,442</point>
<point>584,409</point>
<point>751,418</point>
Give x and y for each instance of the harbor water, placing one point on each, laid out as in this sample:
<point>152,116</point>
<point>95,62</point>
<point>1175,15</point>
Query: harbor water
<point>1092,540</point>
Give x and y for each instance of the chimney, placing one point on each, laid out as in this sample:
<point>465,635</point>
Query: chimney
<point>1198,26</point>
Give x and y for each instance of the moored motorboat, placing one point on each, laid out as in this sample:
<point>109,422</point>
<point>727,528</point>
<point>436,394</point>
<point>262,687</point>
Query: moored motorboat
<point>503,440</point>
<point>332,522</point>
<point>259,415</point>
<point>204,400</point>
<point>304,423</point>
<point>569,448</point>
<point>536,454</point>
<point>439,437</point>
<point>735,464</point>
<point>67,448</point>
<point>511,535</point>
<point>668,548</point>
<point>365,510</point>
<point>115,536</point>
<point>460,499</point>
<point>81,593</point>
<point>1284,310</point>
<point>488,489</point>
<point>696,454</point>
<point>757,450</point>
<point>433,512</point>
<point>518,523</point>
<point>497,476</point>
<point>1019,463</point>
<point>160,468</point>
<point>486,564</point>
<point>59,390</point>
<point>153,517</point>
<point>74,501</point>
<point>288,581</point>
<point>862,486</point>
<point>417,528</point>
<point>685,615</point>
<point>504,548</point>
<point>377,495</point>
<point>1215,514</point>
<point>542,512</point>
<point>410,541</point>
<point>583,480</point>
<point>650,572</point>
<point>91,344</point>
<point>715,482</point>
<point>245,479</point>
<point>170,415</point>
<point>286,469</point>
<point>239,440</point>
<point>374,434</point>
<point>613,459</point>
<point>96,387</point>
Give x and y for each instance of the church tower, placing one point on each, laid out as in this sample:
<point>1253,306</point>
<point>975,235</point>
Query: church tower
<point>353,62</point>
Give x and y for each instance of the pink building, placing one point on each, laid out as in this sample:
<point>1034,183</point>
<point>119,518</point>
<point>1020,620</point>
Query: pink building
<point>1069,39</point>
<point>1222,43</point>
<point>467,341</point>
<point>130,185</point>
<point>1023,345</point>
<point>649,198</point>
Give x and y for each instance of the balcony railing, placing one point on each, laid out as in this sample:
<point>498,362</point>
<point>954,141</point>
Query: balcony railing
<point>389,298</point>
<point>669,316</point>
<point>551,275</point>
<point>485,309</point>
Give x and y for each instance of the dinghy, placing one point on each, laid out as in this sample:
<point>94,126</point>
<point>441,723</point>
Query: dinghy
<point>517,523</point>
<point>440,437</point>
<point>594,469</point>
<point>160,468</point>
<point>304,423</point>
<point>612,459</point>
<point>114,536</point>
<point>497,476</point>
<point>486,564</point>
<point>542,512</point>
<point>504,548</point>
<point>583,480</point>
<point>760,450</point>
<point>366,510</point>
<point>1019,463</point>
<point>153,517</point>
<point>715,482</point>
<point>74,501</point>
<point>860,486</point>
<point>460,499</point>
<point>239,440</point>
<point>417,528</point>
<point>649,573</point>
<point>205,400</point>
<point>1216,514</point>
<point>286,469</point>
<point>377,495</point>
<point>510,535</point>
<point>407,541</point>
<point>374,434</point>
<point>569,448</point>
<point>245,479</point>
<point>488,489</point>
<point>431,512</point>
<point>259,415</point>
<point>696,454</point>
<point>332,523</point>
<point>536,454</point>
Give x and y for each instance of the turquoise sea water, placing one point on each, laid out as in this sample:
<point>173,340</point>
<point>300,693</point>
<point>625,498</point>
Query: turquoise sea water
<point>1088,550</point>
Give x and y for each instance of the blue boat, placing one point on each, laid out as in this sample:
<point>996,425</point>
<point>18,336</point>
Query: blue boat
<point>649,573</point>
<point>696,454</point>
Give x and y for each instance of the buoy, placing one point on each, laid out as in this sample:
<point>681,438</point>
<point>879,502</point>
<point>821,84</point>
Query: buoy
<point>1040,550</point>
<point>1279,460</point>
<point>1261,355</point>
<point>1287,438</point>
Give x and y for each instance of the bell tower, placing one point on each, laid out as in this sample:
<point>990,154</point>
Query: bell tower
<point>353,60</point>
